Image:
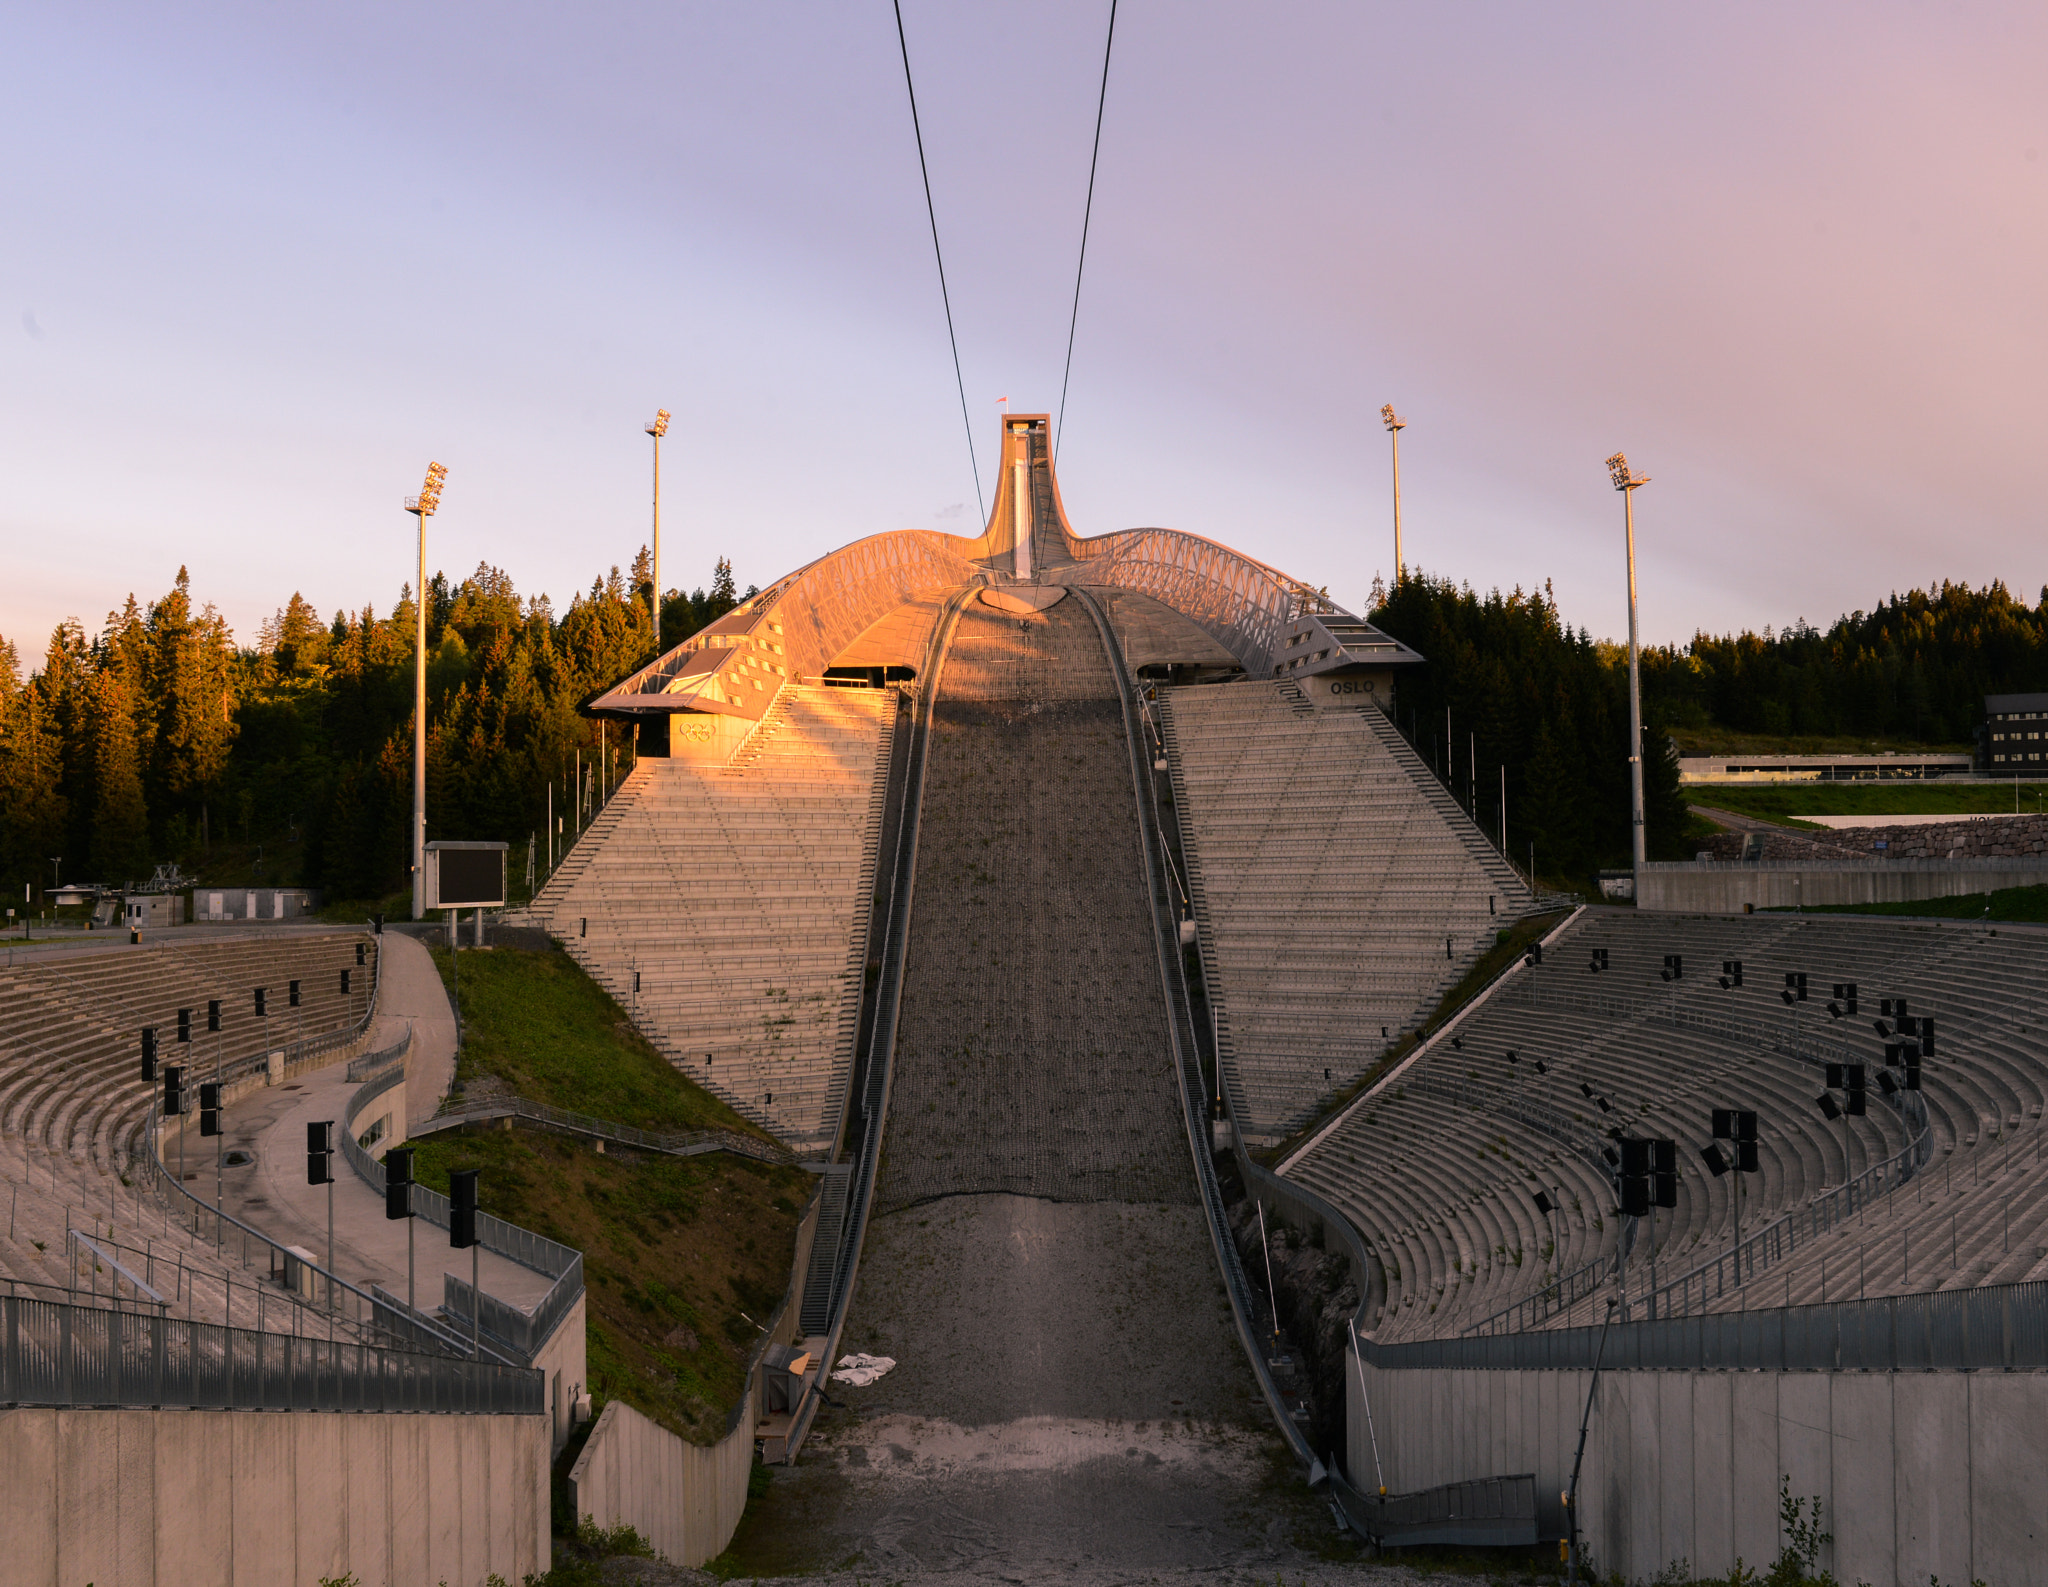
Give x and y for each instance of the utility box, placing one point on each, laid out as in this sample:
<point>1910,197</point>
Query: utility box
<point>466,875</point>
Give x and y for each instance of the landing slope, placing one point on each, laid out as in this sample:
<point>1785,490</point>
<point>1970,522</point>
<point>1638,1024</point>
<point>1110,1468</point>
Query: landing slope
<point>1070,1390</point>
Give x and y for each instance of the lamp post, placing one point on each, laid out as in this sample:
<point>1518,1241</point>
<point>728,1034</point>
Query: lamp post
<point>1628,484</point>
<point>1395,425</point>
<point>422,508</point>
<point>656,427</point>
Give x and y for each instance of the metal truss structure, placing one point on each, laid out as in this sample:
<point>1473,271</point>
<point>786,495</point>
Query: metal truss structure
<point>1275,625</point>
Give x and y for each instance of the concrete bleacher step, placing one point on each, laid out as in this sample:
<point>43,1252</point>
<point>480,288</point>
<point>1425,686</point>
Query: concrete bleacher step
<point>735,898</point>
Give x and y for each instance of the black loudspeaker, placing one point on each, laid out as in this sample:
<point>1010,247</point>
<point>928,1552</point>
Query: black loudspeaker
<point>262,1003</point>
<point>462,1208</point>
<point>209,1107</point>
<point>1745,1124</point>
<point>344,982</point>
<point>1854,1077</point>
<point>1717,1165</point>
<point>1926,1035</point>
<point>174,1090</point>
<point>582,925</point>
<point>184,1024</point>
<point>1613,1158</point>
<point>1745,1157</point>
<point>1663,1157</point>
<point>1635,1196</point>
<point>213,1013</point>
<point>1854,1104</point>
<point>1826,1103</point>
<point>1535,954</point>
<point>362,948</point>
<point>1886,1083</point>
<point>1603,1104</point>
<point>1635,1155</point>
<point>293,995</point>
<point>1541,1067</point>
<point>1724,1124</point>
<point>398,1183</point>
<point>1909,1025</point>
<point>376,925</point>
<point>1731,972</point>
<point>320,1152</point>
<point>1845,994</point>
<point>149,1055</point>
<point>1835,1076</point>
<point>1664,1190</point>
<point>1912,1074</point>
<point>1585,1091</point>
<point>1544,1204</point>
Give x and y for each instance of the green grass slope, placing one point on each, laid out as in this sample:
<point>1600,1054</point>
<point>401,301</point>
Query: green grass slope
<point>684,1258</point>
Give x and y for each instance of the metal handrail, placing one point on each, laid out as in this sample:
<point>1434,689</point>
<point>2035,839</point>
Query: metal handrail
<point>681,1143</point>
<point>364,1065</point>
<point>562,1263</point>
<point>339,1291</point>
<point>1991,1327</point>
<point>58,1353</point>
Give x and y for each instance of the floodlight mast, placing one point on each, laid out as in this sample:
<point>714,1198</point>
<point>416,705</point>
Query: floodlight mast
<point>1395,425</point>
<point>422,508</point>
<point>657,428</point>
<point>1628,484</point>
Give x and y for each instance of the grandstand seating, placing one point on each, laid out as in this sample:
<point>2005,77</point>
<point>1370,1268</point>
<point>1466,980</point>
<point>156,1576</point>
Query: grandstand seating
<point>1438,1166</point>
<point>73,1106</point>
<point>70,1029</point>
<point>739,896</point>
<point>1328,868</point>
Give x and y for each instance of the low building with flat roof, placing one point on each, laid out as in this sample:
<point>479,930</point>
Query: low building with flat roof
<point>1820,768</point>
<point>2014,729</point>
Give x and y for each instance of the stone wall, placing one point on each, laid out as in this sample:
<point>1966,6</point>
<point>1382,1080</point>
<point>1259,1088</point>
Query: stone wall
<point>1991,837</point>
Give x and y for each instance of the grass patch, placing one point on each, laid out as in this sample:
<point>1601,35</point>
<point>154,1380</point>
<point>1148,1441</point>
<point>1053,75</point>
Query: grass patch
<point>1509,945</point>
<point>2008,903</point>
<point>1788,802</point>
<point>538,1023</point>
<point>678,1253</point>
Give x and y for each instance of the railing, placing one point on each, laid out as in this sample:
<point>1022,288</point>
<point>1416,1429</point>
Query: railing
<point>682,1143</point>
<point>1810,1041</point>
<point>59,1354</point>
<point>340,1303</point>
<point>562,1263</point>
<point>364,1066</point>
<point>1990,1328</point>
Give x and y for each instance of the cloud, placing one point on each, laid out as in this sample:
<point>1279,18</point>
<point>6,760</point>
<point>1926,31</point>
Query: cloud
<point>953,511</point>
<point>28,323</point>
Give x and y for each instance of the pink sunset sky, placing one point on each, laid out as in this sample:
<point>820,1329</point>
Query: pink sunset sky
<point>262,263</point>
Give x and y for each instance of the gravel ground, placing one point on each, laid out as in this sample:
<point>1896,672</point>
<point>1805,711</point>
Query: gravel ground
<point>1071,1400</point>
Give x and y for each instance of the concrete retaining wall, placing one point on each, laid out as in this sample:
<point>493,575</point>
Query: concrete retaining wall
<point>1724,889</point>
<point>684,1499</point>
<point>269,1499</point>
<point>1919,1473</point>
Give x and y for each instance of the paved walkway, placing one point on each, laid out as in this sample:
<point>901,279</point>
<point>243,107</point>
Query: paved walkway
<point>270,1192</point>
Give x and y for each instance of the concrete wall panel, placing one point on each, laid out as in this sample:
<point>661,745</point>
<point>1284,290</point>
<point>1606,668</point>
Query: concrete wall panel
<point>2008,1414</point>
<point>28,1454</point>
<point>445,1488</point>
<point>1805,1447</point>
<point>135,1497</point>
<point>1931,1418</point>
<point>1864,1517</point>
<point>1713,1471</point>
<point>88,1486</point>
<point>1677,1439</point>
<point>320,1536</point>
<point>194,1511</point>
<point>365,1503</point>
<point>1753,1486</point>
<point>263,1472</point>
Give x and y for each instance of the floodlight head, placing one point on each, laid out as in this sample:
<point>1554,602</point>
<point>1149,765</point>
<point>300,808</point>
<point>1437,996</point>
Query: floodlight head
<point>1617,468</point>
<point>1786,994</point>
<point>1541,1067</point>
<point>1391,420</point>
<point>659,427</point>
<point>1717,1164</point>
<point>1834,1010</point>
<point>1882,1029</point>
<point>429,497</point>
<point>1544,1204</point>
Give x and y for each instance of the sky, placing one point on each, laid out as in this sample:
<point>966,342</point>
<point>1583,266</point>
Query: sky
<point>262,263</point>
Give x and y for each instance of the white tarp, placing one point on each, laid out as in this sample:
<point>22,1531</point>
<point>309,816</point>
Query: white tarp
<point>860,1370</point>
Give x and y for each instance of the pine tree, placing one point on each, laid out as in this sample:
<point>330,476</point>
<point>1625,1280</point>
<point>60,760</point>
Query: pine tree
<point>120,817</point>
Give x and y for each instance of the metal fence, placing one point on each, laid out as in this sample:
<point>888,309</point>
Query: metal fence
<point>681,1143</point>
<point>1995,1327</point>
<point>562,1263</point>
<point>365,1065</point>
<point>59,1354</point>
